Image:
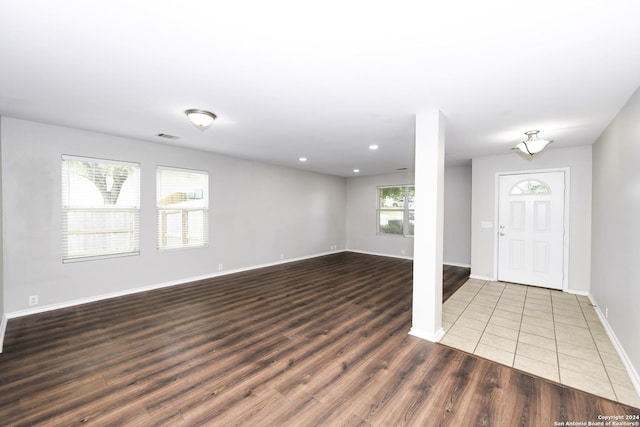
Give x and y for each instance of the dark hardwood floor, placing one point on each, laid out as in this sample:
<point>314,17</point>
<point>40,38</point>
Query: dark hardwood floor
<point>317,342</point>
<point>453,278</point>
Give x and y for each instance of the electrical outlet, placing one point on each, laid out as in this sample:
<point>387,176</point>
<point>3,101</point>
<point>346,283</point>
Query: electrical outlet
<point>606,312</point>
<point>33,300</point>
<point>281,256</point>
<point>220,267</point>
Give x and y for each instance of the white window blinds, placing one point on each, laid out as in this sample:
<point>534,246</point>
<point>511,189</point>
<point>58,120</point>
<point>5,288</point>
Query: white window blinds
<point>100,208</point>
<point>183,208</point>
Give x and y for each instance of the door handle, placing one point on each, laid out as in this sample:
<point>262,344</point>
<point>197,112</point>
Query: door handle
<point>501,233</point>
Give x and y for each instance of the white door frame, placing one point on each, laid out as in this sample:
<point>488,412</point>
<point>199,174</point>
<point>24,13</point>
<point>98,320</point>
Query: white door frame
<point>567,224</point>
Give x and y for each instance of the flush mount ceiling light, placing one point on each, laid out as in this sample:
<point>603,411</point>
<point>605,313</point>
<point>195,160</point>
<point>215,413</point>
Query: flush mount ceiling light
<point>200,118</point>
<point>533,145</point>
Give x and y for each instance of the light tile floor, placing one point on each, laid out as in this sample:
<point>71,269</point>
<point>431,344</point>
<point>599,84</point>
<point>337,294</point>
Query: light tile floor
<point>551,334</point>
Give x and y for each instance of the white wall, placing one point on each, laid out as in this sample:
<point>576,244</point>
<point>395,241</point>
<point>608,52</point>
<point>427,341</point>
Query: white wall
<point>615,276</point>
<point>257,212</point>
<point>362,202</point>
<point>3,320</point>
<point>457,216</point>
<point>483,203</point>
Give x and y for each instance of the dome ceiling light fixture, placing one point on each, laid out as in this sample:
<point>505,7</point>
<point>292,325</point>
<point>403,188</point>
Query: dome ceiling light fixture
<point>533,145</point>
<point>201,119</point>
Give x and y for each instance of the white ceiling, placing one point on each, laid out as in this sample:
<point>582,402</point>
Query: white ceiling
<point>325,79</point>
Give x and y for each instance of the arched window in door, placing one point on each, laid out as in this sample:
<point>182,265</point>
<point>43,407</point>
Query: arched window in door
<point>530,186</point>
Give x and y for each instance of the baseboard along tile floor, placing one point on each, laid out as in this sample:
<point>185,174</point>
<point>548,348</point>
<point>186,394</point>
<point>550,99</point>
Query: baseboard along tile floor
<point>551,334</point>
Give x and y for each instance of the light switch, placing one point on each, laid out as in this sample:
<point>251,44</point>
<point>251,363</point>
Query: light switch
<point>487,224</point>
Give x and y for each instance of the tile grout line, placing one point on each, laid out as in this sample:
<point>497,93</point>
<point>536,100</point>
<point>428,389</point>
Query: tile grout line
<point>555,339</point>
<point>466,306</point>
<point>616,396</point>
<point>606,371</point>
<point>487,322</point>
<point>524,303</point>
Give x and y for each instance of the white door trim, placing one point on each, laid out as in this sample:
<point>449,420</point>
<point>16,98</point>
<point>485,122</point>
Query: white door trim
<point>567,223</point>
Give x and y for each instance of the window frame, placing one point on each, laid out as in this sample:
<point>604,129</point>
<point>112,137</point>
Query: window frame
<point>407,209</point>
<point>69,208</point>
<point>162,213</point>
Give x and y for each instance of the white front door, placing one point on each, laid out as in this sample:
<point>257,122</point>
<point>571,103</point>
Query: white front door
<point>531,229</point>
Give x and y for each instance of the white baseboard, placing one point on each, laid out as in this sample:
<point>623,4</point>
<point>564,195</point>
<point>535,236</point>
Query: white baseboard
<point>95,298</point>
<point>3,328</point>
<point>435,337</point>
<point>477,277</point>
<point>581,293</point>
<point>379,254</point>
<point>631,370</point>
<point>456,264</point>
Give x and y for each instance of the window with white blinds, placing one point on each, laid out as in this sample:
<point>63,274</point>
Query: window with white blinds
<point>100,208</point>
<point>183,208</point>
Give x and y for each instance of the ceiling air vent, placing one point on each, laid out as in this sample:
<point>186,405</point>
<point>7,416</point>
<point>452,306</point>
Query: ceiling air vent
<point>167,136</point>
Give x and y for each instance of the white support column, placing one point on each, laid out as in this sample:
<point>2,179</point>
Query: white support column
<point>429,211</point>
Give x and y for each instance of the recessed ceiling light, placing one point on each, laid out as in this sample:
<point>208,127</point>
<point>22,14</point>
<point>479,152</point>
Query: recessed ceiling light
<point>373,147</point>
<point>302,159</point>
<point>356,170</point>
